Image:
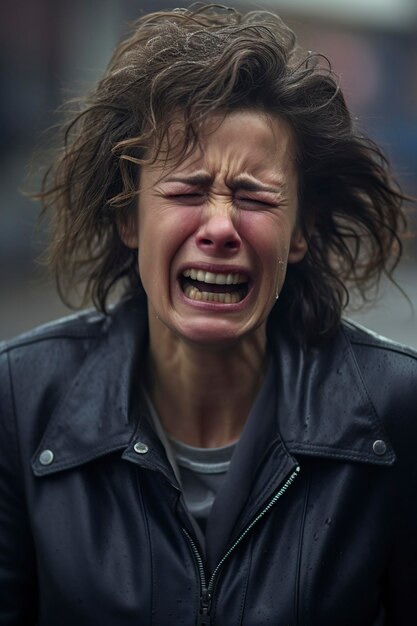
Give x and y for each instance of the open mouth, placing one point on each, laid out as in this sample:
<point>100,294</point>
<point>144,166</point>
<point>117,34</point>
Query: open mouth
<point>219,287</point>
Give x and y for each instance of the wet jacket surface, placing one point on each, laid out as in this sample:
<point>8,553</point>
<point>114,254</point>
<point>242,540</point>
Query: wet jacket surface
<point>93,530</point>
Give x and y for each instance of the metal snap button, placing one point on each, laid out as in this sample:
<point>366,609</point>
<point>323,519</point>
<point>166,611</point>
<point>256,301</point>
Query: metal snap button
<point>379,447</point>
<point>140,448</point>
<point>46,457</point>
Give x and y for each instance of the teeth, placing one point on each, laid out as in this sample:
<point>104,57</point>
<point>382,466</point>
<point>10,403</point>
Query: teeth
<point>214,278</point>
<point>206,296</point>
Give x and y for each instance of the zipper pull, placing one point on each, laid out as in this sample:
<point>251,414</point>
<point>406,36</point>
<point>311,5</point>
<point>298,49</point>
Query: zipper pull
<point>204,618</point>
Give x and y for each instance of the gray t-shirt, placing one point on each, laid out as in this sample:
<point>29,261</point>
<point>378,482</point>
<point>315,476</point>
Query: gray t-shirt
<point>199,471</point>
<point>202,471</point>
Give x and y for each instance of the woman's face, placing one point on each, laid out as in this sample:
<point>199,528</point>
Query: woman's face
<point>215,233</point>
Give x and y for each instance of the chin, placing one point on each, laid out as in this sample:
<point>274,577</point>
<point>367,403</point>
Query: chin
<point>216,334</point>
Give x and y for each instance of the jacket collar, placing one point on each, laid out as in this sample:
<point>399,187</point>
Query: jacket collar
<point>323,406</point>
<point>98,414</point>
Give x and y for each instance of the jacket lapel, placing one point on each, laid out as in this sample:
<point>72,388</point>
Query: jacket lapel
<point>323,406</point>
<point>98,414</point>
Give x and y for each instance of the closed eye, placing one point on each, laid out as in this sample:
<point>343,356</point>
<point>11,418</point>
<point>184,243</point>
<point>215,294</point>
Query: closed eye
<point>189,198</point>
<point>255,203</point>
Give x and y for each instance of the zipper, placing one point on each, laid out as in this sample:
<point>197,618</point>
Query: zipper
<point>203,618</point>
<point>206,590</point>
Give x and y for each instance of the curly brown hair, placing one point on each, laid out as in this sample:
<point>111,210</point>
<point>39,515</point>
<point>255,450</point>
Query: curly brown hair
<point>201,60</point>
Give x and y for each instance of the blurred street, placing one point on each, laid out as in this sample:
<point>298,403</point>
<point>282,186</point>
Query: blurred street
<point>52,50</point>
<point>393,316</point>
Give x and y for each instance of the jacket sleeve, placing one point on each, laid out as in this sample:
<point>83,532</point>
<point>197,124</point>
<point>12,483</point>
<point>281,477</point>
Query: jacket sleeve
<point>18,596</point>
<point>401,422</point>
<point>401,583</point>
<point>391,379</point>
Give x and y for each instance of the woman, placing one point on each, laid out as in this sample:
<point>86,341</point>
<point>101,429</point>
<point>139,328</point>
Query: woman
<point>219,447</point>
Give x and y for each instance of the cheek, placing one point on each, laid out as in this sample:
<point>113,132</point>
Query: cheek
<point>268,236</point>
<point>163,221</point>
<point>161,234</point>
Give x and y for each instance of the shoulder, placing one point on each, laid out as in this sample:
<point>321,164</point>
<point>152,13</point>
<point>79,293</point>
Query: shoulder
<point>37,366</point>
<point>382,356</point>
<point>52,354</point>
<point>361,336</point>
<point>389,372</point>
<point>60,346</point>
<point>77,326</point>
<point>50,350</point>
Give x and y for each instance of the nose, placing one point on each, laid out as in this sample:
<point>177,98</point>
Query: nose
<point>218,233</point>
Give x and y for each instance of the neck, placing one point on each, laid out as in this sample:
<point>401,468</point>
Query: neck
<point>203,395</point>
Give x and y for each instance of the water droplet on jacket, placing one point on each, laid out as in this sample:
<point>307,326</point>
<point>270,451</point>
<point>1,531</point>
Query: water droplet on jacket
<point>328,521</point>
<point>315,536</point>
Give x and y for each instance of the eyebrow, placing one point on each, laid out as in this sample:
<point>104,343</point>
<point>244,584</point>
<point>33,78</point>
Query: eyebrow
<point>243,181</point>
<point>251,184</point>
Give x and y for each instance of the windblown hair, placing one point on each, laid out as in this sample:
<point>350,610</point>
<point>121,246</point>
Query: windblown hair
<point>203,60</point>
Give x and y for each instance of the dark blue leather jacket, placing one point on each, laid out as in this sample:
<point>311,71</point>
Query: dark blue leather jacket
<point>93,530</point>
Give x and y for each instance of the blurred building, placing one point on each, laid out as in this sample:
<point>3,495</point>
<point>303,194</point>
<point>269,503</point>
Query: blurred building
<point>51,50</point>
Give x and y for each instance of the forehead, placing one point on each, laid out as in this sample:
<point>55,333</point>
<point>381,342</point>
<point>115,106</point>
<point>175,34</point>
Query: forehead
<point>251,142</point>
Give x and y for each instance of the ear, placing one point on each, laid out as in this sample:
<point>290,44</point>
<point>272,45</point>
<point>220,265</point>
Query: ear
<point>128,231</point>
<point>298,246</point>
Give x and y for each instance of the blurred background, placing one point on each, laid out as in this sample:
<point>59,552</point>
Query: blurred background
<point>51,50</point>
